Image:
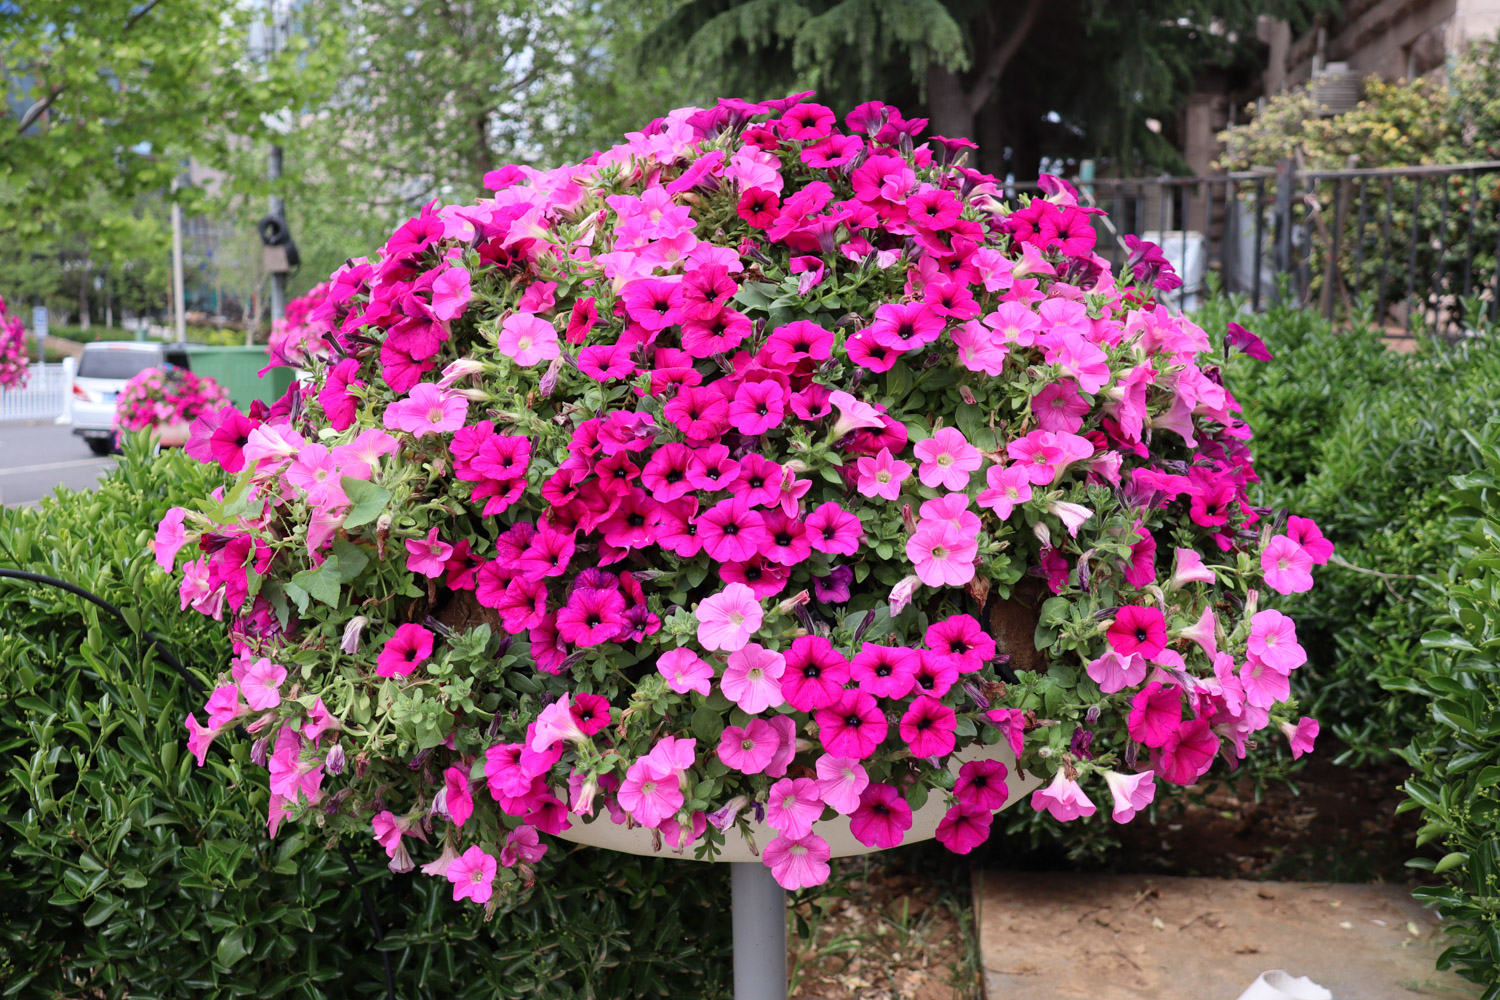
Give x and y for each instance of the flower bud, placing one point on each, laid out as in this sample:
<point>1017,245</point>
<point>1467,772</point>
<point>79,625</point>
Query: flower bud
<point>352,633</point>
<point>334,762</point>
<point>258,751</point>
<point>902,593</point>
<point>789,605</point>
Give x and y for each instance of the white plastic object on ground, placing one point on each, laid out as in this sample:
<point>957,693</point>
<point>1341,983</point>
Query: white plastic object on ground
<point>1279,985</point>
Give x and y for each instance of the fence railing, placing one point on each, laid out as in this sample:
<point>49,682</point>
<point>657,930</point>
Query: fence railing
<point>1405,246</point>
<point>45,396</point>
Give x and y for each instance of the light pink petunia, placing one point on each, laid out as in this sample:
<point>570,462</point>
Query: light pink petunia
<point>262,684</point>
<point>947,459</point>
<point>1009,485</point>
<point>651,792</point>
<point>854,414</point>
<point>1188,568</point>
<point>798,863</point>
<point>729,618</point>
<point>685,671</point>
<point>428,556</point>
<point>555,724</point>
<point>749,750</point>
<point>792,806</point>
<point>1286,566</point>
<point>752,678</point>
<point>450,293</point>
<point>170,537</point>
<point>1114,672</point>
<point>1264,685</point>
<point>882,475</point>
<point>427,410</point>
<point>1301,736</point>
<point>840,782</point>
<point>527,339</point>
<point>942,555</point>
<point>1131,793</point>
<point>1273,641</point>
<point>473,875</point>
<point>1063,798</point>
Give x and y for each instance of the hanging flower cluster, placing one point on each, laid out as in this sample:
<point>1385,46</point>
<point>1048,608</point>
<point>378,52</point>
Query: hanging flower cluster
<point>710,477</point>
<point>14,369</point>
<point>157,397</point>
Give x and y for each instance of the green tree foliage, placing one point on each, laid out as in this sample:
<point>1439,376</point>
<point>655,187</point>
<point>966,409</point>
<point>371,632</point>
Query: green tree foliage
<point>1024,78</point>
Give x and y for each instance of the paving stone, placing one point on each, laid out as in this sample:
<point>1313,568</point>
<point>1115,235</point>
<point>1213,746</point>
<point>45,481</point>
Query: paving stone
<point>1121,937</point>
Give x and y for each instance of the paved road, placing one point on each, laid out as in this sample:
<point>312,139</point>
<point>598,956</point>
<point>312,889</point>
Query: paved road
<point>37,457</point>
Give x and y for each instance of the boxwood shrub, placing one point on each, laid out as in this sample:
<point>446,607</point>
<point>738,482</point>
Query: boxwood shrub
<point>124,873</point>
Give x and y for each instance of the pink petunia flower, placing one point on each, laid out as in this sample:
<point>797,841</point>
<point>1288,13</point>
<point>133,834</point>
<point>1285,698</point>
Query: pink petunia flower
<point>651,792</point>
<point>427,410</point>
<point>1264,686</point>
<point>961,641</point>
<point>170,537</point>
<point>1301,735</point>
<point>882,819</point>
<point>262,684</point>
<point>1131,793</point>
<point>751,749</point>
<point>1305,532</point>
<point>854,414</point>
<point>527,339</point>
<point>982,784</point>
<point>1286,566</point>
<point>752,678</point>
<point>404,651</point>
<point>459,801</point>
<point>792,806</point>
<point>947,459</point>
<point>450,294</point>
<point>473,875</point>
<point>1273,641</point>
<point>1060,407</point>
<point>757,407</point>
<point>964,827</point>
<point>429,556</point>
<point>728,619</point>
<point>1155,714</point>
<point>798,863</point>
<point>882,475</point>
<point>833,530</point>
<point>556,724</point>
<point>1113,672</point>
<point>1187,754</point>
<point>522,846</point>
<point>928,727</point>
<point>685,671</point>
<point>815,673</point>
<point>1063,798</point>
<point>840,782</point>
<point>941,554</point>
<point>1188,568</point>
<point>885,671</point>
<point>1009,485</point>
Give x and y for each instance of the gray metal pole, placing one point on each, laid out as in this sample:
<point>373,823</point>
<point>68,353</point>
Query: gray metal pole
<point>179,318</point>
<point>278,209</point>
<point>759,906</point>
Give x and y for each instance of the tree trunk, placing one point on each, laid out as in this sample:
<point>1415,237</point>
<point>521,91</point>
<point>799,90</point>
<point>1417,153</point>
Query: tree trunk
<point>948,104</point>
<point>83,299</point>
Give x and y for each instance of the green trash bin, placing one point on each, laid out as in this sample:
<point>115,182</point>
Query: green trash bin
<point>235,369</point>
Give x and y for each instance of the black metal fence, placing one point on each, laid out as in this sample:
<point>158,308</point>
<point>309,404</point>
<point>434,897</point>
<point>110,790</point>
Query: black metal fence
<point>1406,248</point>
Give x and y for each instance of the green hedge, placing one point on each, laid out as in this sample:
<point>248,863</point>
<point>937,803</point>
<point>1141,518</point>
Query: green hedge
<point>126,871</point>
<point>1457,755</point>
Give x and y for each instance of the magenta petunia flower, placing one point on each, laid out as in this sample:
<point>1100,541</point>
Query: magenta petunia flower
<point>728,619</point>
<point>947,459</point>
<point>815,674</point>
<point>592,615</point>
<point>882,818</point>
<point>1305,532</point>
<point>792,806</point>
<point>1187,754</point>
<point>853,726</point>
<point>757,407</point>
<point>429,556</point>
<point>1301,735</point>
<point>522,846</point>
<point>404,651</point>
<point>1131,793</point>
<point>1063,798</point>
<point>1060,407</point>
<point>750,749</point>
<point>928,727</point>
<point>1138,629</point>
<point>732,530</point>
<point>1155,713</point>
<point>798,864</point>
<point>459,801</point>
<point>473,875</point>
<point>885,671</point>
<point>981,785</point>
<point>905,326</point>
<point>964,827</point>
<point>962,640</point>
<point>752,678</point>
<point>833,530</point>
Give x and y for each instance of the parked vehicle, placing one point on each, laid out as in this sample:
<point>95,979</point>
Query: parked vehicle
<point>103,370</point>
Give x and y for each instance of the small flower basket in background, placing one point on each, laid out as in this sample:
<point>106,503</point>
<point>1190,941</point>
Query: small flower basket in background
<point>14,368</point>
<point>166,401</point>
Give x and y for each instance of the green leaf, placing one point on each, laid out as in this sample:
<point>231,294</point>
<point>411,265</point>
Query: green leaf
<point>321,583</point>
<point>368,501</point>
<point>233,946</point>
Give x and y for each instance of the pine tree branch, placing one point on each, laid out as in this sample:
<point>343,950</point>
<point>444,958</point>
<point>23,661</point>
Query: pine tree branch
<point>1000,57</point>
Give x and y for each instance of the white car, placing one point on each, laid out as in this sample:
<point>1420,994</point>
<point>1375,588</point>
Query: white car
<point>102,372</point>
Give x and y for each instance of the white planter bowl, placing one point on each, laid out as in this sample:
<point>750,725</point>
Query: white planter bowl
<point>601,831</point>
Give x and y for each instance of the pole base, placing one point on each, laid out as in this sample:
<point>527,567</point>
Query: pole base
<point>759,911</point>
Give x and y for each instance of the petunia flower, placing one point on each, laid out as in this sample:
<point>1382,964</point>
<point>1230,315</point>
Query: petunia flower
<point>853,415</point>
<point>750,749</point>
<point>1138,629</point>
<point>404,651</point>
<point>429,556</point>
<point>728,619</point>
<point>1273,641</point>
<point>1305,532</point>
<point>798,863</point>
<point>1063,798</point>
<point>833,530</point>
<point>459,802</point>
<point>942,555</point>
<point>527,339</point>
<point>815,673</point>
<point>928,727</point>
<point>964,827</point>
<point>1131,793</point>
<point>947,459</point>
<point>882,818</point>
<point>1188,568</point>
<point>650,792</point>
<point>853,726</point>
<point>752,678</point>
<point>1287,566</point>
<point>261,684</point>
<point>473,875</point>
<point>427,410</point>
<point>685,671</point>
<point>522,846</point>
<point>170,537</point>
<point>882,475</point>
<point>981,784</point>
<point>1113,672</point>
<point>556,724</point>
<point>840,782</point>
<point>1187,754</point>
<point>1301,735</point>
<point>1155,714</point>
<point>885,671</point>
<point>792,806</point>
<point>1008,486</point>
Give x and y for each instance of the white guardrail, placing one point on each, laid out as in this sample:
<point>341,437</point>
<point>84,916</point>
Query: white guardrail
<point>47,395</point>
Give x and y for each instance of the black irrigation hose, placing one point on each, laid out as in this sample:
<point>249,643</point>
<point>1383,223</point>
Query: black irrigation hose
<point>198,686</point>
